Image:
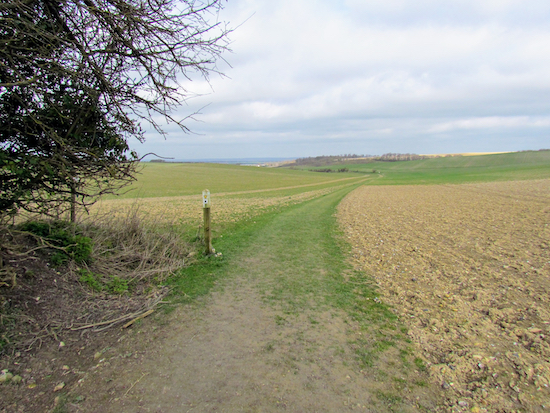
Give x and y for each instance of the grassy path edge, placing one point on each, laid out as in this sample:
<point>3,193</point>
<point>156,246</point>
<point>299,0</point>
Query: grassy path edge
<point>308,270</point>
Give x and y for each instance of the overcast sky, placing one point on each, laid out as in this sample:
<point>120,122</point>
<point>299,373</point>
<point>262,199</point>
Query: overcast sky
<point>327,77</point>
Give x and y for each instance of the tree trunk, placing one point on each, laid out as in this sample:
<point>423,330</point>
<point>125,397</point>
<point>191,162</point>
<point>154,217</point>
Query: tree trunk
<point>73,204</point>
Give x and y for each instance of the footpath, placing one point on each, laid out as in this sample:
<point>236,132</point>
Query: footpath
<point>290,327</point>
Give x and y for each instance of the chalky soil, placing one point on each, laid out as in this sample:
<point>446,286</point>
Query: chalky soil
<point>468,268</point>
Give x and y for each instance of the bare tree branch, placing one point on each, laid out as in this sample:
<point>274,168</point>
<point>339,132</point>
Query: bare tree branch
<point>77,78</point>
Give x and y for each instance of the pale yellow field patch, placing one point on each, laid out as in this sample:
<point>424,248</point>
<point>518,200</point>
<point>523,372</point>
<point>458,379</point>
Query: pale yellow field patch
<point>187,210</point>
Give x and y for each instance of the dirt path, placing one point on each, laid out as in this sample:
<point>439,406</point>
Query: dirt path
<point>235,355</point>
<point>269,339</point>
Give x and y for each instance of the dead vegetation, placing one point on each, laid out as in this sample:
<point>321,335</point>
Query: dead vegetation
<point>60,281</point>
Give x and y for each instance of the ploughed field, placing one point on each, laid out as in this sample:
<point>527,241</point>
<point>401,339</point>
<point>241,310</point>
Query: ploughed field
<point>467,267</point>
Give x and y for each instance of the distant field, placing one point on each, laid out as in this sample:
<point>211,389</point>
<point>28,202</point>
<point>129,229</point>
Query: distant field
<point>459,169</point>
<point>171,192</point>
<point>465,153</point>
<point>180,179</point>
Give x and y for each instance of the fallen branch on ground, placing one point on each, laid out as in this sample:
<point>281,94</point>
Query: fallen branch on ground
<point>133,317</point>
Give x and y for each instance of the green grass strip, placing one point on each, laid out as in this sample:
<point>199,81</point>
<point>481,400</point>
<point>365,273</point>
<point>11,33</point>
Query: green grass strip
<point>301,266</point>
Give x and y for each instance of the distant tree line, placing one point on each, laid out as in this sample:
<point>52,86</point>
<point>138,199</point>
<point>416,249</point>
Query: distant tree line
<point>331,159</point>
<point>354,158</point>
<point>394,157</point>
<point>328,170</point>
<point>326,160</point>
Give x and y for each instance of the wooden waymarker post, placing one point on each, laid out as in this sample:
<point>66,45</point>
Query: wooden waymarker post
<point>206,214</point>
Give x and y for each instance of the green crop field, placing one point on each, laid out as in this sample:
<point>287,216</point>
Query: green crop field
<point>171,192</point>
<point>180,179</point>
<point>183,179</point>
<point>457,169</point>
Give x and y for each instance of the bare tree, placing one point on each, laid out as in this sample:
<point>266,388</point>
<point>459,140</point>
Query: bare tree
<point>77,79</point>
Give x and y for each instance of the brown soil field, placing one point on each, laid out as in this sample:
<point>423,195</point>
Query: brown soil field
<point>468,269</point>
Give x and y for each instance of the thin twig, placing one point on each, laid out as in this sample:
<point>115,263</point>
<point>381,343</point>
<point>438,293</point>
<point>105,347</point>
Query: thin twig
<point>137,381</point>
<point>145,314</point>
<point>102,323</point>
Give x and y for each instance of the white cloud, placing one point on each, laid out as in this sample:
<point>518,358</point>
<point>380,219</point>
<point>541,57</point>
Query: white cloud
<point>491,122</point>
<point>353,68</point>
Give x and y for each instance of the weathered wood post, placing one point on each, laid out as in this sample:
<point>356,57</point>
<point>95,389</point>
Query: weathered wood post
<point>206,214</point>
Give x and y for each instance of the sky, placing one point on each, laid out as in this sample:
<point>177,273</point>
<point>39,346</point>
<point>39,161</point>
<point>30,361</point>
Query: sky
<point>329,77</point>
